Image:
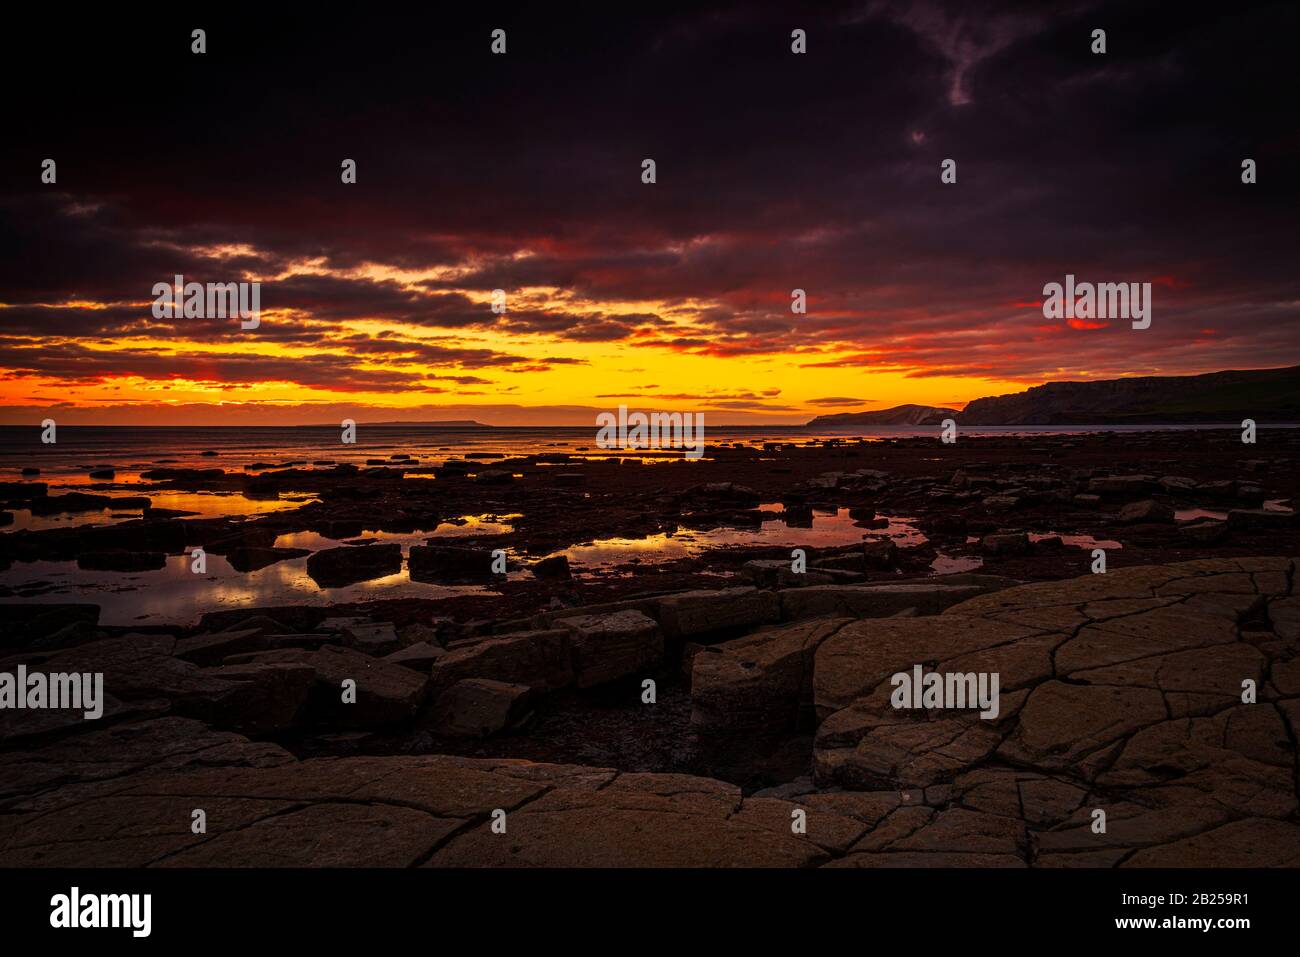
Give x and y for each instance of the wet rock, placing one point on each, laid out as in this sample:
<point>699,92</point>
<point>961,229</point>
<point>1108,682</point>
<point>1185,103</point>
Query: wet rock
<point>1005,543</point>
<point>182,475</point>
<point>556,567</point>
<point>1121,485</point>
<point>137,536</point>
<point>450,563</point>
<point>1177,484</point>
<point>777,572</point>
<point>494,477</point>
<point>1001,503</point>
<point>1251,496</point>
<point>1148,511</point>
<point>70,502</point>
<point>728,492</point>
<point>118,560</point>
<point>337,567</point>
<point>881,553</point>
<point>250,559</point>
<point>246,538</point>
<point>478,707</point>
<point>1259,518</point>
<point>1204,533</point>
<point>608,647</point>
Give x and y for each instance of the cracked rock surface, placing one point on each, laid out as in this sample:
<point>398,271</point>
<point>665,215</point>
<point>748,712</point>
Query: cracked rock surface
<point>1162,700</point>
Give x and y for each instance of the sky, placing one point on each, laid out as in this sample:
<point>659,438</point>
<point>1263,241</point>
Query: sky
<point>774,171</point>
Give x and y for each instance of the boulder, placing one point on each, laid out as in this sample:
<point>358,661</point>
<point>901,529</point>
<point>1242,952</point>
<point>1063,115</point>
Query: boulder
<point>337,567</point>
<point>1005,543</point>
<point>478,707</point>
<point>1262,518</point>
<point>1203,533</point>
<point>213,648</point>
<point>450,563</point>
<point>557,567</point>
<point>372,637</point>
<point>539,659</point>
<point>608,647</point>
<point>692,613</point>
<point>419,656</point>
<point>1147,511</point>
<point>759,683</point>
<point>263,698</point>
<point>118,560</point>
<point>251,558</point>
<point>386,693</point>
<point>777,572</point>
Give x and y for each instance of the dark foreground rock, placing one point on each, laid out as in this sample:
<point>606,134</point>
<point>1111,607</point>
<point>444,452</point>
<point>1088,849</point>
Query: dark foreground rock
<point>347,565</point>
<point>1146,717</point>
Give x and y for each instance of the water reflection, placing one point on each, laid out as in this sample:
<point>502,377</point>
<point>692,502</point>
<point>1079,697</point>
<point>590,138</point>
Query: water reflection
<point>175,595</point>
<point>827,529</point>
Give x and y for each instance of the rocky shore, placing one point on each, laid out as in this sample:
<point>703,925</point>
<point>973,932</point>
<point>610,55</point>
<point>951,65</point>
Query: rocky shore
<point>724,709</point>
<point>1122,694</point>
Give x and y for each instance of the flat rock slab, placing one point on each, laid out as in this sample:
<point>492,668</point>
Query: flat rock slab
<point>608,647</point>
<point>1166,698</point>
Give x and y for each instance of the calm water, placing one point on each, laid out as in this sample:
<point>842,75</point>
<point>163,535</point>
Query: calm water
<point>131,449</point>
<point>173,594</point>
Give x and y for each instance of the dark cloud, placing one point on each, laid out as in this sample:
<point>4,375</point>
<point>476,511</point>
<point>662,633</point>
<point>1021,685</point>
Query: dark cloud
<point>775,172</point>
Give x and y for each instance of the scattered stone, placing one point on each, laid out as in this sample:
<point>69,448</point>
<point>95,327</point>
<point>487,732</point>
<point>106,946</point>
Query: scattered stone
<point>118,560</point>
<point>337,567</point>
<point>1147,511</point>
<point>478,707</point>
<point>450,563</point>
<point>1005,543</point>
<point>419,656</point>
<point>1204,533</point>
<point>556,567</point>
<point>607,647</point>
<point>693,613</point>
<point>539,659</point>
<point>250,559</point>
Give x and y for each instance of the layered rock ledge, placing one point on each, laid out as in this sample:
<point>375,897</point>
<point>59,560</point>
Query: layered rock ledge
<point>1147,718</point>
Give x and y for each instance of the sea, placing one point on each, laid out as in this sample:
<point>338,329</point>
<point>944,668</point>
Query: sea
<point>175,595</point>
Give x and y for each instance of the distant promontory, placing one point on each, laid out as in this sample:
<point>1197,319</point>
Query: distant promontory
<point>1265,395</point>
